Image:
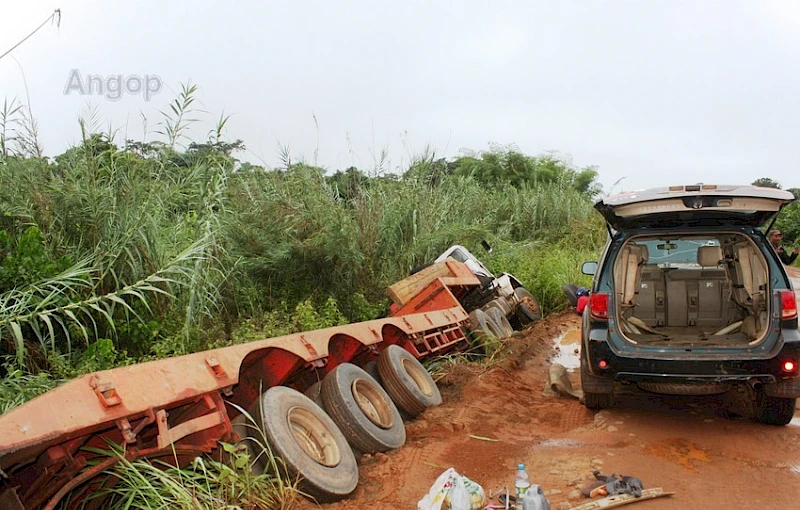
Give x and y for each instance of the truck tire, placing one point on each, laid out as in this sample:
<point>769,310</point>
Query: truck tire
<point>408,383</point>
<point>482,325</point>
<point>371,367</point>
<point>312,447</point>
<point>500,319</point>
<point>774,410</point>
<point>250,441</point>
<point>314,393</point>
<point>362,409</point>
<point>528,310</point>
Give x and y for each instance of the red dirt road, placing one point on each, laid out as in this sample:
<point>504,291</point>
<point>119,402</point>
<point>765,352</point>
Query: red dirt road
<point>685,445</point>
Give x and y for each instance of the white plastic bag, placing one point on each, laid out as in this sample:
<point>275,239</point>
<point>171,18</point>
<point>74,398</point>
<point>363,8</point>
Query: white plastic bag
<point>435,497</point>
<point>459,497</point>
<point>452,491</point>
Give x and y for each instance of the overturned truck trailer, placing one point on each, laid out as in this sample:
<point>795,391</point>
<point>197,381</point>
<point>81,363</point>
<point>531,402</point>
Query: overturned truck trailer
<point>178,408</point>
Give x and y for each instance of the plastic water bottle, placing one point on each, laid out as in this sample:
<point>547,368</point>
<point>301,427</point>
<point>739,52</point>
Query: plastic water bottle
<point>521,483</point>
<point>534,499</point>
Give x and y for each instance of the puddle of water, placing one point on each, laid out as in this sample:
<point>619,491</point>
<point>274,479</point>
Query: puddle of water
<point>566,346</point>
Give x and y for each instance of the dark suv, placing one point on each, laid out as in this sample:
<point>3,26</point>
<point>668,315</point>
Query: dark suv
<point>689,298</point>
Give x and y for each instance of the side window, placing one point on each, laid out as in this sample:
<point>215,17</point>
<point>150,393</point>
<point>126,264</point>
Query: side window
<point>459,255</point>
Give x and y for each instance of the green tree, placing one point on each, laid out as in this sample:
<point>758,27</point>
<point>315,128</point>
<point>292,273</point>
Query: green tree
<point>766,182</point>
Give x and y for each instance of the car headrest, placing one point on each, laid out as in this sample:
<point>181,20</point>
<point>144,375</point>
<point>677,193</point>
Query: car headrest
<point>708,256</point>
<point>641,251</point>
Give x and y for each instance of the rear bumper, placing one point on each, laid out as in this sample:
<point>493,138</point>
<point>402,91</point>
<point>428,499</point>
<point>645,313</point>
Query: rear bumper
<point>768,371</point>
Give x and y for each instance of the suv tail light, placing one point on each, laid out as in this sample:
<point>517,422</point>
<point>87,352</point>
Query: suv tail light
<point>788,305</point>
<point>598,306</point>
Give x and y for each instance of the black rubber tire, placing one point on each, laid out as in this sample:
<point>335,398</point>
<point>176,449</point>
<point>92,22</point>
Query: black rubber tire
<point>323,462</point>
<point>371,367</point>
<point>362,409</point>
<point>251,440</point>
<point>480,320</point>
<point>774,410</point>
<point>570,290</point>
<point>591,399</point>
<point>528,310</point>
<point>408,383</point>
<point>314,392</point>
<point>500,319</point>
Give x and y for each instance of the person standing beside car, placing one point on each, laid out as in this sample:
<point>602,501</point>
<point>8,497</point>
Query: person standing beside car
<point>775,238</point>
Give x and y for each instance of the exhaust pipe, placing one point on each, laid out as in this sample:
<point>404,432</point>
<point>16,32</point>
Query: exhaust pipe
<point>755,384</point>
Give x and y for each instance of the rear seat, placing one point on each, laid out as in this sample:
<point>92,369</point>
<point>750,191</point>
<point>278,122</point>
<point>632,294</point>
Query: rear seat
<point>698,297</point>
<point>628,274</point>
<point>652,303</point>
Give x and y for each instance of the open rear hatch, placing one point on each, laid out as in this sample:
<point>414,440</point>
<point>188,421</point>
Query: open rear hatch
<point>693,205</point>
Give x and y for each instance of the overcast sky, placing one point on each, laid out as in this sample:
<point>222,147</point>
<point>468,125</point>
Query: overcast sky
<point>655,92</point>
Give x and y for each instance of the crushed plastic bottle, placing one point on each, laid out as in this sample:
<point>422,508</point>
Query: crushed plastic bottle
<point>521,482</point>
<point>534,499</point>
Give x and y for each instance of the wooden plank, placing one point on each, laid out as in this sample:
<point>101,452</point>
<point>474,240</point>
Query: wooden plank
<point>622,499</point>
<point>401,292</point>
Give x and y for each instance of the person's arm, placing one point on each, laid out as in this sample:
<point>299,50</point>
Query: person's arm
<point>792,257</point>
<point>785,258</point>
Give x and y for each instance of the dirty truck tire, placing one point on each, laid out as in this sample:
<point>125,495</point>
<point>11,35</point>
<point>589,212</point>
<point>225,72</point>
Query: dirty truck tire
<point>774,410</point>
<point>362,409</point>
<point>500,319</point>
<point>571,291</point>
<point>314,393</point>
<point>528,310</point>
<point>408,383</point>
<point>251,440</point>
<point>371,367</point>
<point>310,444</point>
<point>481,325</point>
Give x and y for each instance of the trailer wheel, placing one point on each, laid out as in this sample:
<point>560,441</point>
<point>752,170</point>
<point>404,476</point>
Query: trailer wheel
<point>310,444</point>
<point>500,319</point>
<point>362,409</point>
<point>408,383</point>
<point>482,325</point>
<point>250,441</point>
<point>314,393</point>
<point>371,367</point>
<point>528,310</point>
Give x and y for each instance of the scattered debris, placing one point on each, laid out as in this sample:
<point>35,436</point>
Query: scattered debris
<point>558,383</point>
<point>453,491</point>
<point>623,499</point>
<point>483,438</point>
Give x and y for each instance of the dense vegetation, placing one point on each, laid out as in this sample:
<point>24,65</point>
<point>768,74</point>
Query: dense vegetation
<point>114,253</point>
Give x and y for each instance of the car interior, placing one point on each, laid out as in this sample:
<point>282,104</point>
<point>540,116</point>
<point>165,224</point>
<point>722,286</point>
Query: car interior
<point>694,290</point>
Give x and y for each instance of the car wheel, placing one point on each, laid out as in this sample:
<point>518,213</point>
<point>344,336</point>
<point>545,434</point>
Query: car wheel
<point>362,409</point>
<point>592,398</point>
<point>312,447</point>
<point>499,318</point>
<point>408,383</point>
<point>528,310</point>
<point>774,410</point>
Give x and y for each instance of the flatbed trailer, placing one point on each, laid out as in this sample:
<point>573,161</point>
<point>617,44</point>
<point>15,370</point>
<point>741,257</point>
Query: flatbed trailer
<point>178,408</point>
